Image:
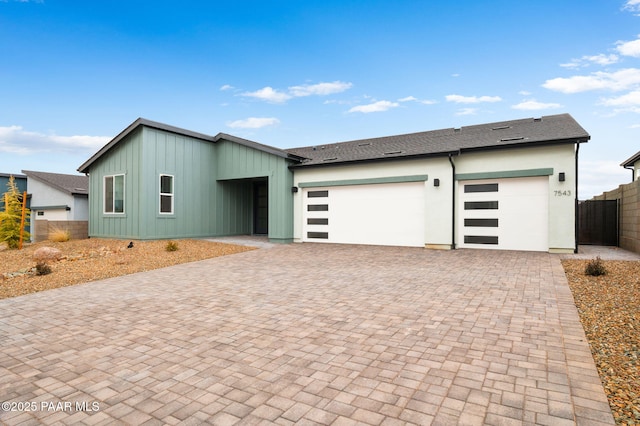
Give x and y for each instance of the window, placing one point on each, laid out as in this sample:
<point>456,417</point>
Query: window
<point>114,194</point>
<point>166,194</point>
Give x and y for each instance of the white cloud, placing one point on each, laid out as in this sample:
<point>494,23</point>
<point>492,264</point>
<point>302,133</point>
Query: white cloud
<point>14,139</point>
<point>630,99</point>
<point>459,99</point>
<point>524,93</point>
<point>226,87</point>
<point>619,80</point>
<point>532,105</point>
<point>632,6</point>
<point>253,123</point>
<point>414,99</point>
<point>600,176</point>
<point>629,48</point>
<point>374,107</point>
<point>408,99</point>
<point>467,111</point>
<point>600,59</point>
<point>321,89</point>
<point>268,94</point>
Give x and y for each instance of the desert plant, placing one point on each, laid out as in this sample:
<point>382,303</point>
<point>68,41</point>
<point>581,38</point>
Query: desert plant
<point>595,267</point>
<point>43,268</point>
<point>59,235</point>
<point>171,246</point>
<point>11,224</point>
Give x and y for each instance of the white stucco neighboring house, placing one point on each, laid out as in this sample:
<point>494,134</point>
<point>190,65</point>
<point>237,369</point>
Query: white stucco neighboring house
<point>60,199</point>
<point>633,164</point>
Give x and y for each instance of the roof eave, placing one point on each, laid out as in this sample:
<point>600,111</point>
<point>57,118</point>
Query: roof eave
<point>84,168</point>
<point>530,144</point>
<point>631,161</point>
<point>375,160</point>
<point>258,146</point>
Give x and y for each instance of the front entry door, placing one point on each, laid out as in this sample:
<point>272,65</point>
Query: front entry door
<point>260,208</point>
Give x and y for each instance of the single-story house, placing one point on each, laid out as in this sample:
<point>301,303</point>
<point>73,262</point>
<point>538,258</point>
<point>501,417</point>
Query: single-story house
<point>505,185</point>
<point>633,164</point>
<point>58,201</point>
<point>18,179</point>
<point>21,184</point>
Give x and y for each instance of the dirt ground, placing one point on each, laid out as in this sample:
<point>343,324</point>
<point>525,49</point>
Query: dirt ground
<point>609,305</point>
<point>95,259</point>
<point>609,308</point>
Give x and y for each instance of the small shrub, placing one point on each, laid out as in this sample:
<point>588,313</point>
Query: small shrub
<point>59,235</point>
<point>42,268</point>
<point>595,267</point>
<point>171,246</point>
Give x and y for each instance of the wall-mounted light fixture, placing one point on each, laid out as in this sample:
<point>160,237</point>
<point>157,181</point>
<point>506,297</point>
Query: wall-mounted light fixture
<point>561,176</point>
<point>294,189</point>
<point>436,182</point>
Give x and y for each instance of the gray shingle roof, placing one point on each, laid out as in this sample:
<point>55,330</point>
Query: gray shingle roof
<point>552,129</point>
<point>71,184</point>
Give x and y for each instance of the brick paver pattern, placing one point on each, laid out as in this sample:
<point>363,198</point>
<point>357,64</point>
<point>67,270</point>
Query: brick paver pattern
<point>307,334</point>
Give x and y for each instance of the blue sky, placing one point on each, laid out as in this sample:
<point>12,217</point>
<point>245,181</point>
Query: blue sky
<point>295,73</point>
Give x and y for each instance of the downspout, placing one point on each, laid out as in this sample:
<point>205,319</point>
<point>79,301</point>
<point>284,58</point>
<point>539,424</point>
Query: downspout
<point>577,217</point>
<point>453,203</point>
<point>633,172</point>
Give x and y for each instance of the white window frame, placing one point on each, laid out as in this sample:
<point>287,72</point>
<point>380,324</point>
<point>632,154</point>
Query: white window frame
<point>171,194</point>
<point>113,198</point>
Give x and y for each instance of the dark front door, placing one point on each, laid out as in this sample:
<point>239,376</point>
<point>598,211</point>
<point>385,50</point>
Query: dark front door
<point>260,207</point>
<point>598,222</point>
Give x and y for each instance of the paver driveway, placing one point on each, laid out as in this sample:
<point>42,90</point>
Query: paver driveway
<point>307,334</point>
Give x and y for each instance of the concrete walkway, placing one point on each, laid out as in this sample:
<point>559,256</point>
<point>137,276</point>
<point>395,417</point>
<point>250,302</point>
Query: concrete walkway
<point>307,334</point>
<point>605,253</point>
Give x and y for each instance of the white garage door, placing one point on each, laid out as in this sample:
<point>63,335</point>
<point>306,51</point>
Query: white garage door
<point>380,214</point>
<point>508,214</point>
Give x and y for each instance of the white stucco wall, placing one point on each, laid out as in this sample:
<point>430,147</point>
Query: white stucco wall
<point>437,229</point>
<point>43,195</point>
<point>438,213</point>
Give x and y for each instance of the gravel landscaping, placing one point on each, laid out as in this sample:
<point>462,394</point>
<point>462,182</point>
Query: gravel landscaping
<point>94,259</point>
<point>609,309</point>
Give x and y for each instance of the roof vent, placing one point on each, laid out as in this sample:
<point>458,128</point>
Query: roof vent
<point>500,127</point>
<point>330,159</point>
<point>519,138</point>
<point>364,144</point>
<point>538,119</point>
<point>456,129</point>
<point>392,152</point>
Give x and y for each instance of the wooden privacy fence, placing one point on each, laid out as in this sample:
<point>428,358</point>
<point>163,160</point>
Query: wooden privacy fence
<point>628,196</point>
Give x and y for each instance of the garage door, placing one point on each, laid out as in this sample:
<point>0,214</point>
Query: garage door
<point>508,214</point>
<point>380,214</point>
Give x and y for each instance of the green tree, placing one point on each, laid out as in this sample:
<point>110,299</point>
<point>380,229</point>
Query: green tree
<point>11,217</point>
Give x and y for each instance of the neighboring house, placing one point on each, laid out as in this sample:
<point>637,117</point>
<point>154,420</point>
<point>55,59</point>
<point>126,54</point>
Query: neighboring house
<point>58,201</point>
<point>633,164</point>
<point>21,184</point>
<point>506,185</point>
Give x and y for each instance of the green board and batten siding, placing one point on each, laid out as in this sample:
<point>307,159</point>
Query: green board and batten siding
<point>212,187</point>
<point>239,163</point>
